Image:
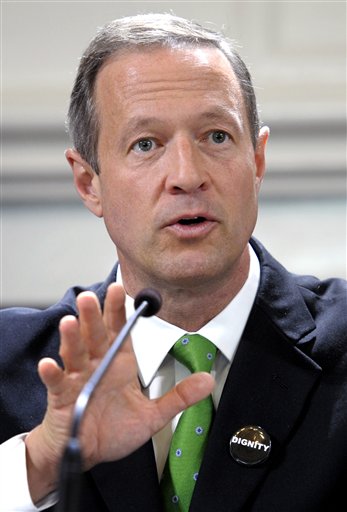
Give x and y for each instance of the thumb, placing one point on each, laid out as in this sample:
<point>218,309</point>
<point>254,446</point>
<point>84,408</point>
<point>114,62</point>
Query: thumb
<point>186,393</point>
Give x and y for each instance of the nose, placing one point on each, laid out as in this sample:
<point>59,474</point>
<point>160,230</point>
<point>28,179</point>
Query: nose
<point>186,172</point>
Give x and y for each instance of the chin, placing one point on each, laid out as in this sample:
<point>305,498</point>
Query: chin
<point>185,274</point>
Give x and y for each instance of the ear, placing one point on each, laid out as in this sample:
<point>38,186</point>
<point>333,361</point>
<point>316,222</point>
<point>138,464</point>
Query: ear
<point>263,137</point>
<point>86,181</point>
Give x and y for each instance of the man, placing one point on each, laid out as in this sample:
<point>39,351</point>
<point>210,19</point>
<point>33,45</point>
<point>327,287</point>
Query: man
<point>168,150</point>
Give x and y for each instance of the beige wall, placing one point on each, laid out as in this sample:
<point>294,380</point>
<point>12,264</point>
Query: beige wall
<point>296,52</point>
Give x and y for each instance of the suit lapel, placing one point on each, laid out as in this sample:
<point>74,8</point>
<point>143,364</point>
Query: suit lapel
<point>131,483</point>
<point>270,383</point>
<point>268,386</point>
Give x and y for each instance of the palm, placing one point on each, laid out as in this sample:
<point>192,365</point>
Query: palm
<point>119,418</point>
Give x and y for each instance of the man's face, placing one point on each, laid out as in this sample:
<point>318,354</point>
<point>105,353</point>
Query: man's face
<point>179,176</point>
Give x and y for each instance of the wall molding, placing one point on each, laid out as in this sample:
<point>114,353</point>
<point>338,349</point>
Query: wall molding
<point>306,158</point>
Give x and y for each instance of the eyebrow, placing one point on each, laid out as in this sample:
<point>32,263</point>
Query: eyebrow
<point>216,114</point>
<point>136,125</point>
<point>221,113</point>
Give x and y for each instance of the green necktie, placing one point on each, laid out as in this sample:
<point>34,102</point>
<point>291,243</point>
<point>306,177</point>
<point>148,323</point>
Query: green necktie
<point>190,437</point>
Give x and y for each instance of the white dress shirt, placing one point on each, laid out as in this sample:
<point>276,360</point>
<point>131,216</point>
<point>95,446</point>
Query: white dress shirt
<point>158,372</point>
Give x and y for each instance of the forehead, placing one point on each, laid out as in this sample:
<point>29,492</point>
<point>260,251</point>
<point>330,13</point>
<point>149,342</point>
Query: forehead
<point>154,77</point>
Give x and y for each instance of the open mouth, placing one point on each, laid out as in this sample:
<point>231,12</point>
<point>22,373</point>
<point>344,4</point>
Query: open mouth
<point>192,226</point>
<point>189,222</point>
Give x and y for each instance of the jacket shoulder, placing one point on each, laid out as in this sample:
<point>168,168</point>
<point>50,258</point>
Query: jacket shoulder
<point>22,327</point>
<point>28,335</point>
<point>326,299</point>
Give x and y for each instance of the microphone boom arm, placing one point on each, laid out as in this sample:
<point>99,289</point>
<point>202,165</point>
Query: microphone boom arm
<point>147,303</point>
<point>90,386</point>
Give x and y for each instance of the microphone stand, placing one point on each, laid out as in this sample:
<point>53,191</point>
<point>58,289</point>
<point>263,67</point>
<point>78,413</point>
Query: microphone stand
<point>147,303</point>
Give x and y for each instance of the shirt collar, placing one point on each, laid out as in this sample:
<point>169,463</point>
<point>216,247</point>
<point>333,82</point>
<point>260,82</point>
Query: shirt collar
<point>153,338</point>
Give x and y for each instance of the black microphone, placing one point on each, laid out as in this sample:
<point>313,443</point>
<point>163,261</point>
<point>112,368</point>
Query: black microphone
<point>147,303</point>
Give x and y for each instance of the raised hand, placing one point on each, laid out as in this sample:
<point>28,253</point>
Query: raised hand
<point>119,418</point>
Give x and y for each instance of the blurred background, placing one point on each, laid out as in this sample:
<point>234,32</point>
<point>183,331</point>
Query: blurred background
<point>296,52</point>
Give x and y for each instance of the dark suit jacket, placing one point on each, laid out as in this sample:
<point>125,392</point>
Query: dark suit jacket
<point>289,376</point>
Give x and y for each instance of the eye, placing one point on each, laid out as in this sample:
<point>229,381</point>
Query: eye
<point>144,145</point>
<point>219,136</point>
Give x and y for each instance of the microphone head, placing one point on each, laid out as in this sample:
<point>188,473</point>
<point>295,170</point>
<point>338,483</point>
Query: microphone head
<point>153,299</point>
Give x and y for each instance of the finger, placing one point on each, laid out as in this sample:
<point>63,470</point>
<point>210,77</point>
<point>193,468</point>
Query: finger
<point>92,328</point>
<point>51,374</point>
<point>63,388</point>
<point>72,348</point>
<point>191,390</point>
<point>114,310</point>
<point>186,393</point>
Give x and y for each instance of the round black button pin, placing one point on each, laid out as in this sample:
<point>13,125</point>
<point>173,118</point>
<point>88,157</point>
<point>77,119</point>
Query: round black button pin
<point>250,445</point>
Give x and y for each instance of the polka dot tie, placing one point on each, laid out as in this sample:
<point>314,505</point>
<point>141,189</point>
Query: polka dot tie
<point>190,437</point>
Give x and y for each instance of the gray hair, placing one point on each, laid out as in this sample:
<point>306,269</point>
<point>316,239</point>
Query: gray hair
<point>145,31</point>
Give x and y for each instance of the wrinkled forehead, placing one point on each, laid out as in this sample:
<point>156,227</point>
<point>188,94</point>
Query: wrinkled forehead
<point>187,51</point>
<point>165,72</point>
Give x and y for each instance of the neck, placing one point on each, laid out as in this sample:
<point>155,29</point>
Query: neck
<point>193,306</point>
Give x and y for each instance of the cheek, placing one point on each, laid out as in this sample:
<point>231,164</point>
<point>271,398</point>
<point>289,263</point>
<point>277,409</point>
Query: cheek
<point>123,211</point>
<point>241,199</point>
<point>247,180</point>
<point>240,186</point>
